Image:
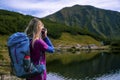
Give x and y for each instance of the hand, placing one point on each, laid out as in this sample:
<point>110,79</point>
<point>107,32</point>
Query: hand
<point>41,68</point>
<point>44,33</point>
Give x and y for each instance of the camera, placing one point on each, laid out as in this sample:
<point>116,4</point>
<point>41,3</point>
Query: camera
<point>43,31</point>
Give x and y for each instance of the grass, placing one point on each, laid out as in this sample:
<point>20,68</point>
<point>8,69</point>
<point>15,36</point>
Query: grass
<point>68,58</point>
<point>3,48</point>
<point>3,42</point>
<point>67,40</point>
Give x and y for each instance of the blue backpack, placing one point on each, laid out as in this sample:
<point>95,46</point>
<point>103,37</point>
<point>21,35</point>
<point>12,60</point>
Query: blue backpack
<point>19,52</point>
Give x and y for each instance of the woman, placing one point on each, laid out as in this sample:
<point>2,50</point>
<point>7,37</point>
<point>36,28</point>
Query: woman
<point>39,44</point>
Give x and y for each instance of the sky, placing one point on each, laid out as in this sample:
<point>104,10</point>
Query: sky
<point>42,8</point>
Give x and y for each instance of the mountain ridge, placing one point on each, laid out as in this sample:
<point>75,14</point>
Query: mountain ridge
<point>87,20</point>
<point>102,22</point>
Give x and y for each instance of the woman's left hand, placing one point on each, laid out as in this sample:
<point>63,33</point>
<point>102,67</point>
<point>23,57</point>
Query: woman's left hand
<point>45,34</point>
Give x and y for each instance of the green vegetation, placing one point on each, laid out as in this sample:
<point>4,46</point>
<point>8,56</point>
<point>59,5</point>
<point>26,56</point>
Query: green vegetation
<point>3,48</point>
<point>67,58</point>
<point>56,29</point>
<point>97,22</point>
<point>12,22</point>
<point>71,40</point>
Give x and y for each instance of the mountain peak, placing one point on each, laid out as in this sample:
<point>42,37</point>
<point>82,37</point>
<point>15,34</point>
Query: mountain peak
<point>95,20</point>
<point>77,5</point>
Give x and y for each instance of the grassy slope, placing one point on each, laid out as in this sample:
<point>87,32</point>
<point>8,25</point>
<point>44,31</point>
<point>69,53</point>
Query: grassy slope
<point>65,40</point>
<point>69,40</point>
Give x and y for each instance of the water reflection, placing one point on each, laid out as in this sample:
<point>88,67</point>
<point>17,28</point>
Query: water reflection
<point>54,76</point>
<point>72,67</point>
<point>108,76</point>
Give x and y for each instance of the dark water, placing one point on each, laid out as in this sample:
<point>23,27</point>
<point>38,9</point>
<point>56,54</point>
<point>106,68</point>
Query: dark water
<point>95,65</point>
<point>103,65</point>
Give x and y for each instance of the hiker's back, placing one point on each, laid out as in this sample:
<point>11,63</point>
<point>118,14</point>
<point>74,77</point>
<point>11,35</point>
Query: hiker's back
<point>19,52</point>
<point>18,45</point>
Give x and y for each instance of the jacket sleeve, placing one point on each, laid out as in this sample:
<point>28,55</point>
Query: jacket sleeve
<point>50,46</point>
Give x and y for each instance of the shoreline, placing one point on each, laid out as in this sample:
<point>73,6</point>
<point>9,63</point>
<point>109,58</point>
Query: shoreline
<point>81,48</point>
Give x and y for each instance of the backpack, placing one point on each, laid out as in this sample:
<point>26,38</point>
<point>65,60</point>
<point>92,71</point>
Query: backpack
<point>19,52</point>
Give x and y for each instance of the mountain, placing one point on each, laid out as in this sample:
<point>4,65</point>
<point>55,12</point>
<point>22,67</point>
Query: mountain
<point>104,23</point>
<point>11,22</point>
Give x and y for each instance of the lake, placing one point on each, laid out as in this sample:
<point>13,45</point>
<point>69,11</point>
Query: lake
<point>82,65</point>
<point>95,65</point>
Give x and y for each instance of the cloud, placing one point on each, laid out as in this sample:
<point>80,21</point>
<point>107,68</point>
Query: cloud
<point>41,8</point>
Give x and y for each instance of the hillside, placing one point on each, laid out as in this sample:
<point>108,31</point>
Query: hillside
<point>11,22</point>
<point>67,40</point>
<point>104,23</point>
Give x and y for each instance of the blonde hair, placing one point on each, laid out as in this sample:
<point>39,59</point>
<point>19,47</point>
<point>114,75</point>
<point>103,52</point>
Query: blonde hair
<point>34,29</point>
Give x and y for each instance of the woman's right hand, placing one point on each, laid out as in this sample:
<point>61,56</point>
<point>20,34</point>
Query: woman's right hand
<point>44,33</point>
